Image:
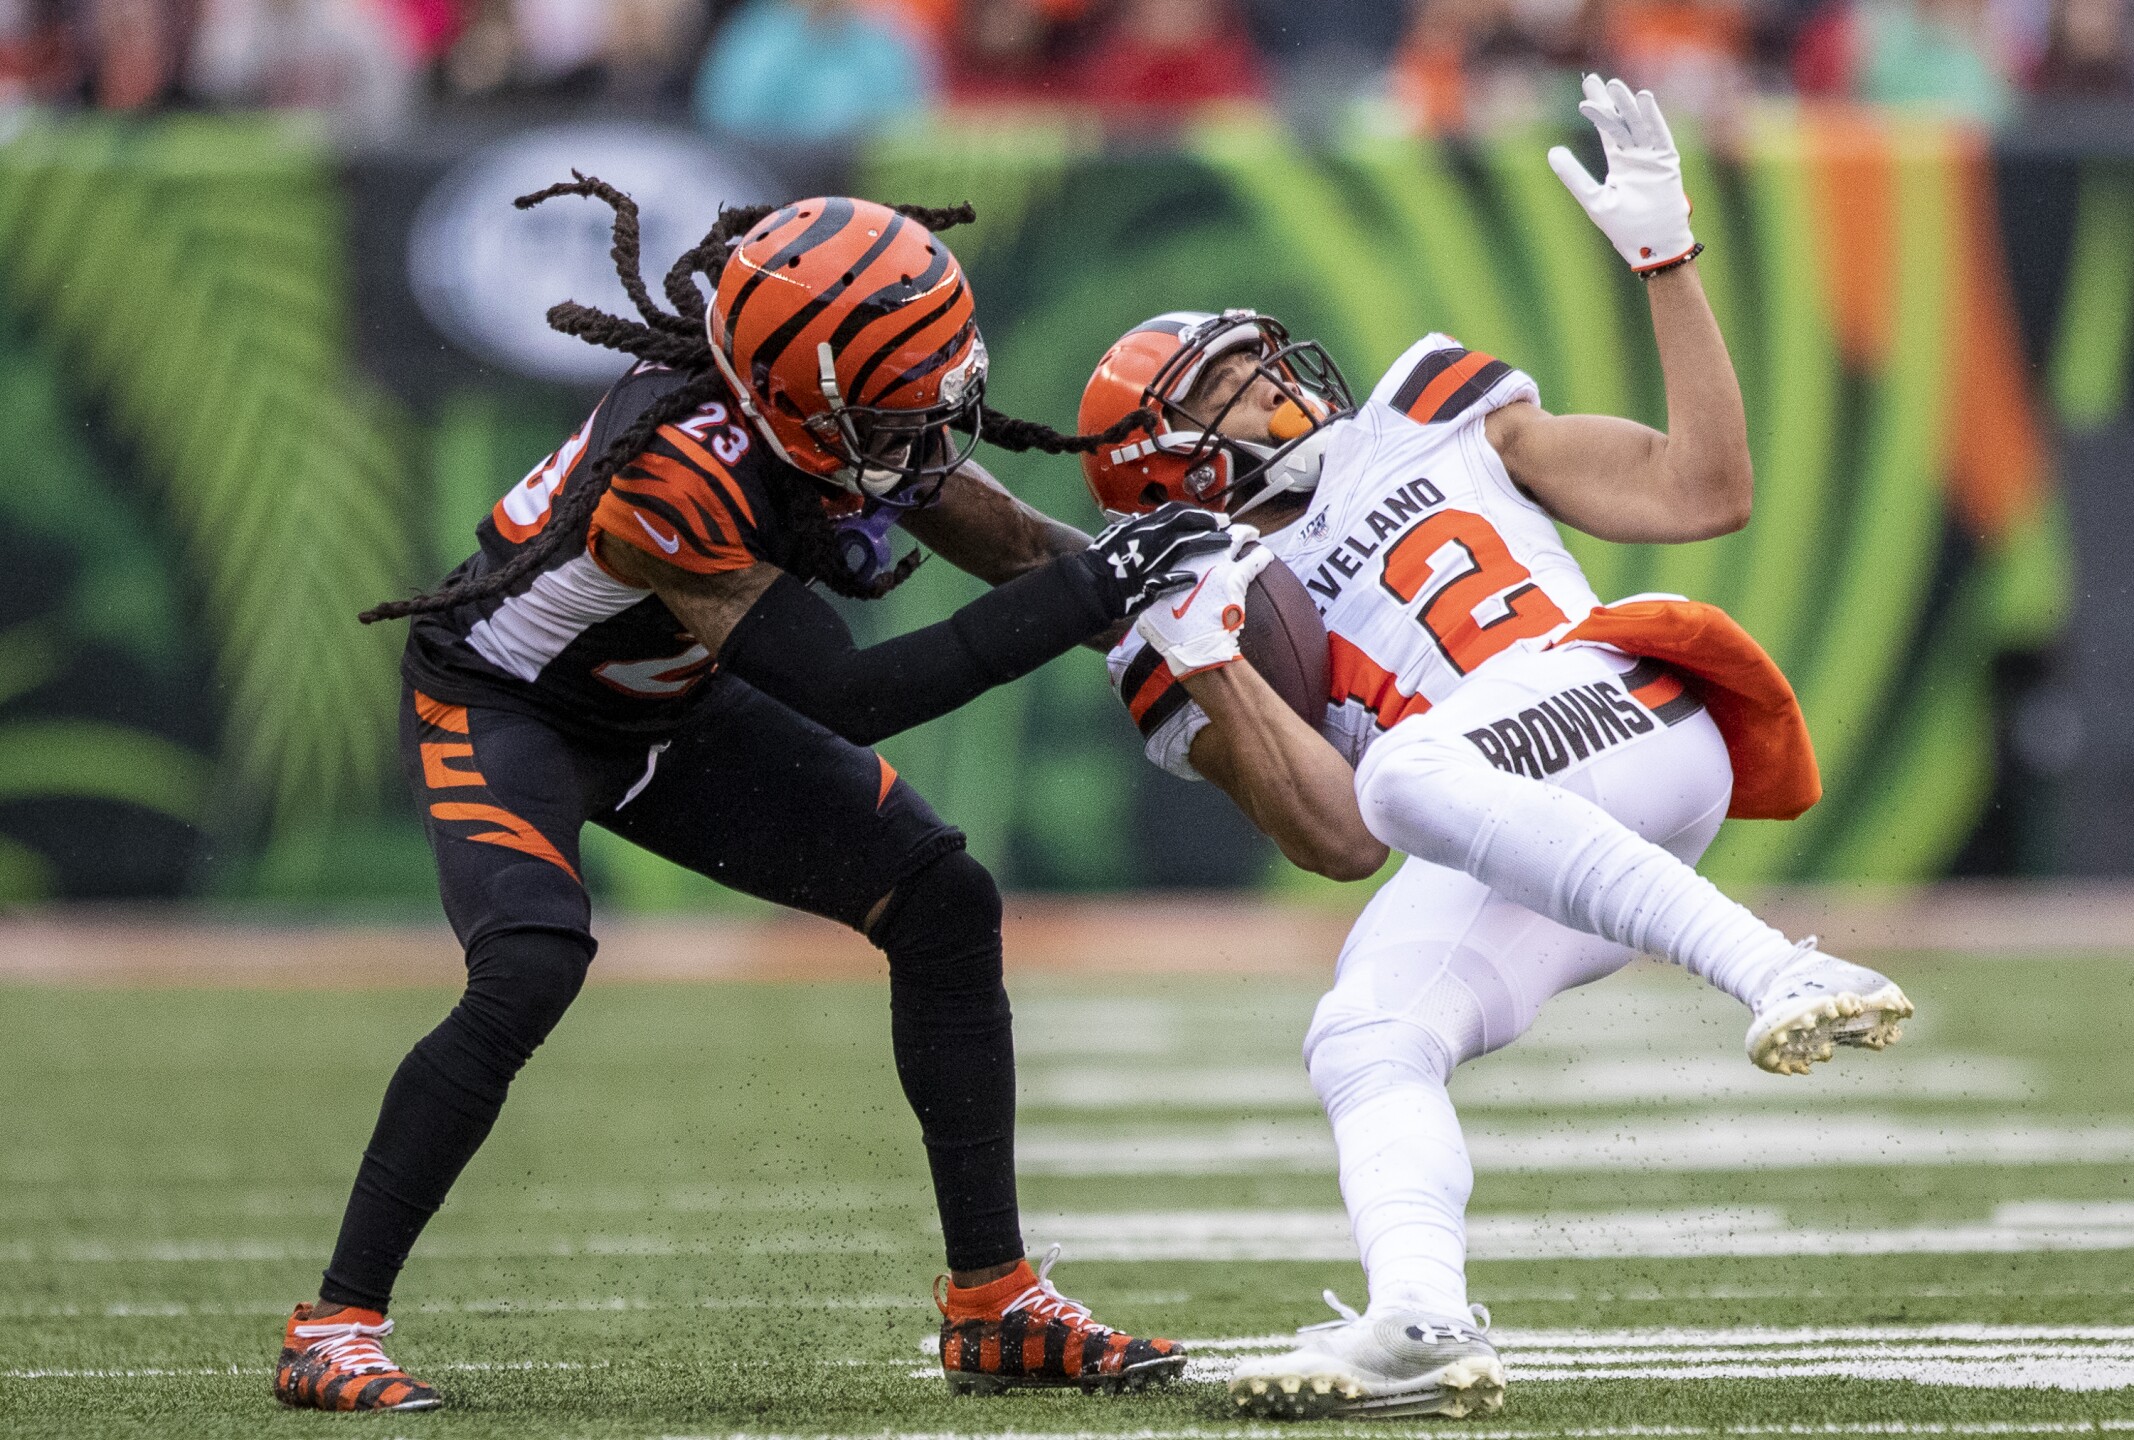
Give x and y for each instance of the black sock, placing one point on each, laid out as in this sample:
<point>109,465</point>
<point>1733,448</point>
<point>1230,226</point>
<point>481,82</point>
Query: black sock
<point>955,1050</point>
<point>443,1099</point>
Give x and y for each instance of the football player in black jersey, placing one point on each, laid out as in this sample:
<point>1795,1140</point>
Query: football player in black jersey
<point>635,643</point>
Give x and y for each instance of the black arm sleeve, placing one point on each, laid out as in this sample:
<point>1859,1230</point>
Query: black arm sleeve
<point>795,647</point>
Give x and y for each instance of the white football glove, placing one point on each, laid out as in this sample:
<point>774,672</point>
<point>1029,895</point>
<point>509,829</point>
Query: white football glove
<point>1197,629</point>
<point>1642,208</point>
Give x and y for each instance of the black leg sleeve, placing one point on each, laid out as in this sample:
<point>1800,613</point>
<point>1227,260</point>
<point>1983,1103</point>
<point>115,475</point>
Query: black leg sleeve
<point>443,1099</point>
<point>955,1050</point>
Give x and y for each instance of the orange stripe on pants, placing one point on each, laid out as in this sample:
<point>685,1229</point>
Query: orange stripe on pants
<point>516,834</point>
<point>440,776</point>
<point>443,716</point>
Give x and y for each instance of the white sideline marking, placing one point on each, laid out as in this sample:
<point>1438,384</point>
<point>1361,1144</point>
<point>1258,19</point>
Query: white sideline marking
<point>1715,1140</point>
<point>1498,1295</point>
<point>150,1373</point>
<point>2014,1373</point>
<point>1980,1372</point>
<point>1749,1339</point>
<point>1952,1331</point>
<point>1678,1234</point>
<point>1752,1231</point>
<point>2066,1357</point>
<point>1518,1080</point>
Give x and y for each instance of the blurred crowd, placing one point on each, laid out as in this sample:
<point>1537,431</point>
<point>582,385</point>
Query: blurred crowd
<point>786,72</point>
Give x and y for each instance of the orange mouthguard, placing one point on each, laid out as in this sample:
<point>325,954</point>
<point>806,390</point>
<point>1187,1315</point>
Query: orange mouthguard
<point>1291,420</point>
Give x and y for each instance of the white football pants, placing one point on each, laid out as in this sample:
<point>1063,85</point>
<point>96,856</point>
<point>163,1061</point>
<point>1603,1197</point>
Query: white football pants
<point>1549,843</point>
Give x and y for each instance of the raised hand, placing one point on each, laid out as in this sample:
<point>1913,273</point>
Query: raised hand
<point>1641,206</point>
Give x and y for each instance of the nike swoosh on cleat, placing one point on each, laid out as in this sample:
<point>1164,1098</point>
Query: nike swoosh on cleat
<point>670,546</point>
<point>1179,611</point>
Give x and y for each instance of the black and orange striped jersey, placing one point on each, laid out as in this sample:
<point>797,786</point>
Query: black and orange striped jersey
<point>578,645</point>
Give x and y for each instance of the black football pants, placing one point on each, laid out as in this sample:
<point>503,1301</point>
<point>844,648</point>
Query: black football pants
<point>754,796</point>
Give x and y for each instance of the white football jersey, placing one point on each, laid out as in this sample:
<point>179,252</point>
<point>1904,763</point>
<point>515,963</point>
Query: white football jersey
<point>1424,560</point>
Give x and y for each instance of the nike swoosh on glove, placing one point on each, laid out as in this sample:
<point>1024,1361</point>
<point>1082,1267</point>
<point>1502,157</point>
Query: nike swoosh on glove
<point>1198,630</point>
<point>1641,208</point>
<point>1144,556</point>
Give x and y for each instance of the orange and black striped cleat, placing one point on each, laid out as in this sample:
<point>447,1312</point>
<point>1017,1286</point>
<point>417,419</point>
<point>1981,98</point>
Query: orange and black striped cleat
<point>1019,1333</point>
<point>336,1364</point>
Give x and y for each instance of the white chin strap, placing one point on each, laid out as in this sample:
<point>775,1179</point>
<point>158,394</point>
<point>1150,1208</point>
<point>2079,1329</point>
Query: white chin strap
<point>851,479</point>
<point>762,425</point>
<point>843,477</point>
<point>1296,473</point>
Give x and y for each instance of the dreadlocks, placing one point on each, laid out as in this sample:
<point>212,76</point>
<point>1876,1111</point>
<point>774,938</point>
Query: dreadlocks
<point>676,340</point>
<point>1009,433</point>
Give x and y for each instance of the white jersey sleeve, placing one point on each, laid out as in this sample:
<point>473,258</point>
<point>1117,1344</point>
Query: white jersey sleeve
<point>1437,381</point>
<point>1167,717</point>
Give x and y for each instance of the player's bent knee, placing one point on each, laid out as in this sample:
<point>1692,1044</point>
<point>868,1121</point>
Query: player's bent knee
<point>519,984</point>
<point>944,917</point>
<point>1357,1060</point>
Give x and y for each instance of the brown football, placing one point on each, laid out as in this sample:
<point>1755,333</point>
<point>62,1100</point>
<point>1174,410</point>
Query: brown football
<point>1285,641</point>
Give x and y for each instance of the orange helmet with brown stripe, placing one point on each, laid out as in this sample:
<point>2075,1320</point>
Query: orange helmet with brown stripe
<point>847,333</point>
<point>1156,365</point>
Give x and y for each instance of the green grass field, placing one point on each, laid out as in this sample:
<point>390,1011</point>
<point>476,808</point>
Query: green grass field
<point>705,1213</point>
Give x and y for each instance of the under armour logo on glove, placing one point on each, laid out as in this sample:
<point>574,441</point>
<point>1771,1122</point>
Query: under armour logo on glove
<point>1143,556</point>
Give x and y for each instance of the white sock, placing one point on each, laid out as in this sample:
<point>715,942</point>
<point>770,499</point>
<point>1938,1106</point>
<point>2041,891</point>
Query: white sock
<point>1405,1175</point>
<point>1562,856</point>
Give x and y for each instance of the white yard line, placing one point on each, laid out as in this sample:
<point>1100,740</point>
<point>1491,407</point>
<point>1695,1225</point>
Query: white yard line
<point>2001,1339</point>
<point>1498,1295</point>
<point>1520,1080</point>
<point>1739,1335</point>
<point>1991,1372</point>
<point>1983,1372</point>
<point>1714,1140</point>
<point>2012,1373</point>
<point>1281,1234</point>
<point>1748,1231</point>
<point>1605,1293</point>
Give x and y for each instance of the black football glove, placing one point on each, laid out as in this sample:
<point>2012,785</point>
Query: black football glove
<point>1141,557</point>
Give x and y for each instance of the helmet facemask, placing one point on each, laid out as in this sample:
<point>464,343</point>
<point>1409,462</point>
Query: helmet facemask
<point>884,448</point>
<point>1238,475</point>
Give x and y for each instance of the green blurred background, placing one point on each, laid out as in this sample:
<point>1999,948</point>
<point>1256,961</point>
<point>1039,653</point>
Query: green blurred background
<point>216,451</point>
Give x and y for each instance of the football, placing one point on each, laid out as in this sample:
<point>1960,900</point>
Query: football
<point>1285,641</point>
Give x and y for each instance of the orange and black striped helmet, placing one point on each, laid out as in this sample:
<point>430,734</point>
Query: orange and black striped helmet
<point>848,335</point>
<point>1155,366</point>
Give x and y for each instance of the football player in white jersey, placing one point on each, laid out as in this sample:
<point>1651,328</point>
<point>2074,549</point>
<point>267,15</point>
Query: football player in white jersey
<point>1552,766</point>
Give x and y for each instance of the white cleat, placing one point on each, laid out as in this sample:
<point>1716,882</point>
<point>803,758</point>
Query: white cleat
<point>1819,1002</point>
<point>1376,1368</point>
